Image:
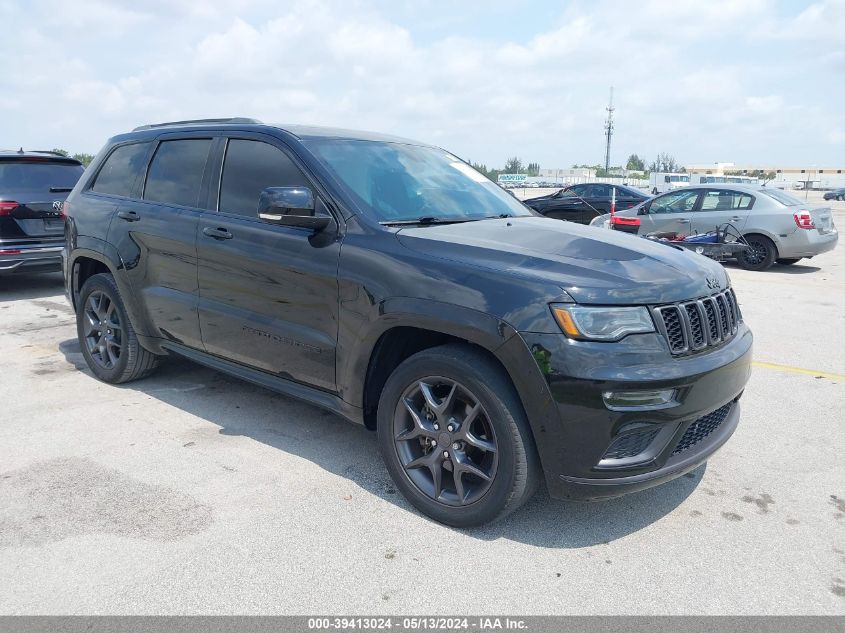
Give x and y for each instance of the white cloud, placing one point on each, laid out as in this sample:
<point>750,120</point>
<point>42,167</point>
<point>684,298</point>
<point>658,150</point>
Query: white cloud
<point>689,79</point>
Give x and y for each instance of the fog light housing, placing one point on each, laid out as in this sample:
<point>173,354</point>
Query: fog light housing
<point>640,400</point>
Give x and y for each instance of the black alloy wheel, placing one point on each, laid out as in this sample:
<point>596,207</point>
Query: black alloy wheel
<point>102,330</point>
<point>760,255</point>
<point>455,438</point>
<point>107,339</point>
<point>445,441</point>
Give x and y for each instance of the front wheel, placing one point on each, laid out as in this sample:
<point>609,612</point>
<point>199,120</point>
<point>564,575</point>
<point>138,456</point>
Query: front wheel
<point>654,191</point>
<point>761,254</point>
<point>783,261</point>
<point>455,438</point>
<point>107,338</point>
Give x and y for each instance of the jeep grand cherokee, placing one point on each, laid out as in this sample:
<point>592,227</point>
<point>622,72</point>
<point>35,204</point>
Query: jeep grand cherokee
<point>386,280</point>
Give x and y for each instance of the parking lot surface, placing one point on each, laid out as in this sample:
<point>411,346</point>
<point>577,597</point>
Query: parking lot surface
<point>191,492</point>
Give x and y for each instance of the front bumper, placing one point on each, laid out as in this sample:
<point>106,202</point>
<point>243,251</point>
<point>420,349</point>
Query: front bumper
<point>30,259</point>
<point>574,448</point>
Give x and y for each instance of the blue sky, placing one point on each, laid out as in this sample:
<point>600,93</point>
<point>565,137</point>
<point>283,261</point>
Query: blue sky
<point>747,81</point>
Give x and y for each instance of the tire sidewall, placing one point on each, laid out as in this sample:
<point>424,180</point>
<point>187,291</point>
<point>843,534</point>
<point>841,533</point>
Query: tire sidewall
<point>101,283</point>
<point>501,418</point>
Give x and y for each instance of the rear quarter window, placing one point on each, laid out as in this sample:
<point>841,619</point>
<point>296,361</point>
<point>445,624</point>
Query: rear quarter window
<point>119,173</point>
<point>782,197</point>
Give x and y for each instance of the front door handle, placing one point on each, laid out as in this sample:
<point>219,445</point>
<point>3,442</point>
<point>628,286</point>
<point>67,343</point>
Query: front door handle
<point>683,221</point>
<point>129,216</point>
<point>218,233</point>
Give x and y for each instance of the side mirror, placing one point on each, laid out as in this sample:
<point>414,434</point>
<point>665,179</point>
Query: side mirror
<point>291,206</point>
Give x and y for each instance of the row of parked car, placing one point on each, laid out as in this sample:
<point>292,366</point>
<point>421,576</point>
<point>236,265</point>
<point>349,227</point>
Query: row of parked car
<point>777,226</point>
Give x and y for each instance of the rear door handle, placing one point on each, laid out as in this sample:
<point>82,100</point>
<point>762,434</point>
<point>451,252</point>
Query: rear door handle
<point>683,221</point>
<point>129,216</point>
<point>736,218</point>
<point>218,233</point>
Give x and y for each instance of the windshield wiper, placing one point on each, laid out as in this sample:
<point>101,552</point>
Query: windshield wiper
<point>60,189</point>
<point>426,220</point>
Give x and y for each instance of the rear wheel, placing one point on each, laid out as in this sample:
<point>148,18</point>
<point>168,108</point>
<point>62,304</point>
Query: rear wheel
<point>107,338</point>
<point>654,191</point>
<point>783,261</point>
<point>455,438</point>
<point>761,254</point>
<point>841,198</point>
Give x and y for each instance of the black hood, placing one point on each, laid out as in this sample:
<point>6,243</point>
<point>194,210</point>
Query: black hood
<point>592,265</point>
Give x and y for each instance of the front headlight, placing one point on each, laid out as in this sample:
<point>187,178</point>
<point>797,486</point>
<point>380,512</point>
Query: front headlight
<point>600,323</point>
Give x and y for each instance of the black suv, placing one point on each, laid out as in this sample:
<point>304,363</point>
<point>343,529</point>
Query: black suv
<point>33,186</point>
<point>386,280</point>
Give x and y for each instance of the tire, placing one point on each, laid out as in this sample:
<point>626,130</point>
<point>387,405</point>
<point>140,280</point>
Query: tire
<point>783,261</point>
<point>654,191</point>
<point>841,198</point>
<point>115,356</point>
<point>762,255</point>
<point>457,375</point>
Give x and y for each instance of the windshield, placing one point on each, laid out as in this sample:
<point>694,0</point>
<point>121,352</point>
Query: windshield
<point>395,182</point>
<point>782,197</point>
<point>37,176</point>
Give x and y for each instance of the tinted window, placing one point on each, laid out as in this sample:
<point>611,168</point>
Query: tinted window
<point>579,190</point>
<point>249,168</point>
<point>675,202</point>
<point>118,174</point>
<point>724,200</point>
<point>600,191</point>
<point>175,174</point>
<point>37,175</point>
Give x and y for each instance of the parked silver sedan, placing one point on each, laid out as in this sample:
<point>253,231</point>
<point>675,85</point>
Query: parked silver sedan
<point>778,226</point>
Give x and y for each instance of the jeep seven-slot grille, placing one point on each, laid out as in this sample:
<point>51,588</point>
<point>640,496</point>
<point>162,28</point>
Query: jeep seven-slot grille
<point>702,427</point>
<point>692,326</point>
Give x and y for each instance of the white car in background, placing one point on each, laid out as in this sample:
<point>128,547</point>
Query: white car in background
<point>778,226</point>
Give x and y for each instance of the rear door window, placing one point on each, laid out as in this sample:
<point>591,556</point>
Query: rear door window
<point>725,200</point>
<point>175,174</point>
<point>119,173</point>
<point>250,167</point>
<point>38,175</point>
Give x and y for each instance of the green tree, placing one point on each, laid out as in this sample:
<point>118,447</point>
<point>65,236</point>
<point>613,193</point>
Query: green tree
<point>514,166</point>
<point>533,169</point>
<point>60,151</point>
<point>665,162</point>
<point>635,163</point>
<point>84,158</point>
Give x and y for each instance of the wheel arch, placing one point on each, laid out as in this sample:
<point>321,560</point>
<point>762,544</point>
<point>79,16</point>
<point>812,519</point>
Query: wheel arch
<point>85,263</point>
<point>764,233</point>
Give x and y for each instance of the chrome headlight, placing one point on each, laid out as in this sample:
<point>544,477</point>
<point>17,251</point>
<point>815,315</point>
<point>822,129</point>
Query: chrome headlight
<point>600,323</point>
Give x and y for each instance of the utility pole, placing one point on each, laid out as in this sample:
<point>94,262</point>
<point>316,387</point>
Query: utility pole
<point>608,131</point>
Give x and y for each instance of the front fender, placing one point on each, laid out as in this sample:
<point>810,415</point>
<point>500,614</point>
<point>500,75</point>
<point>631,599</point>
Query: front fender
<point>471,325</point>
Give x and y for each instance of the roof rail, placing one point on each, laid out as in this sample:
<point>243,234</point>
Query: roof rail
<point>237,119</point>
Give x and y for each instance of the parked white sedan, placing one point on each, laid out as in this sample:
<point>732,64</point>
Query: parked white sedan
<point>778,226</point>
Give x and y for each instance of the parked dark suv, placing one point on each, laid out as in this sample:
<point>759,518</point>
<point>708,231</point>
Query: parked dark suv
<point>388,281</point>
<point>33,186</point>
